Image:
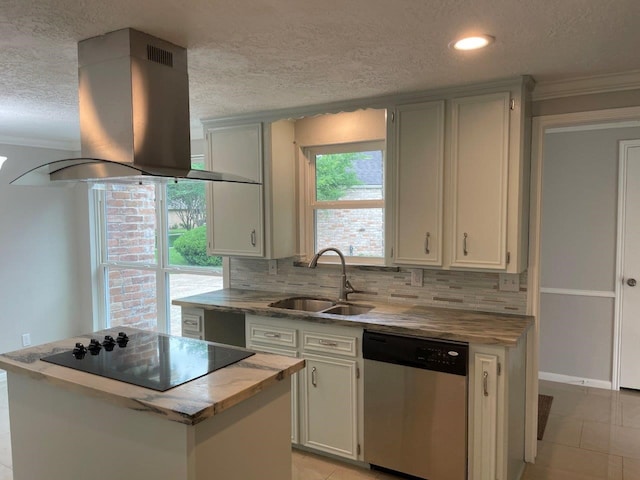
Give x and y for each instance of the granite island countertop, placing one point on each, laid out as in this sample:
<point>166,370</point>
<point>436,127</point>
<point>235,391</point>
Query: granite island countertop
<point>189,403</point>
<point>429,322</point>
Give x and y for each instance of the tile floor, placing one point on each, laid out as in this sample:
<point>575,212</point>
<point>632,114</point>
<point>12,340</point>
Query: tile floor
<point>591,434</point>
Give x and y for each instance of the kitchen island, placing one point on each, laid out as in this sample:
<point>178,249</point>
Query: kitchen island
<point>233,423</point>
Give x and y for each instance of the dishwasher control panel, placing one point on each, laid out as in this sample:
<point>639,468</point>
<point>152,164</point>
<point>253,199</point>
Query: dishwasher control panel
<point>430,354</point>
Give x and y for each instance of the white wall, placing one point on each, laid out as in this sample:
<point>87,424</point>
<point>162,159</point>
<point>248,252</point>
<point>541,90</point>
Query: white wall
<point>345,127</point>
<point>45,279</point>
<point>578,251</point>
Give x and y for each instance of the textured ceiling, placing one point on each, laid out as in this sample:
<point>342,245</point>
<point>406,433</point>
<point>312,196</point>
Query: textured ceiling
<point>252,55</point>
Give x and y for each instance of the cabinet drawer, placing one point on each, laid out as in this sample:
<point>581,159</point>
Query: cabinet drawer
<point>286,337</point>
<point>191,323</point>
<point>188,334</point>
<point>323,342</point>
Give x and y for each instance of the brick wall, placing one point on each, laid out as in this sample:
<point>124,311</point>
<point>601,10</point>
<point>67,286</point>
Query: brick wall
<point>356,232</point>
<point>131,237</point>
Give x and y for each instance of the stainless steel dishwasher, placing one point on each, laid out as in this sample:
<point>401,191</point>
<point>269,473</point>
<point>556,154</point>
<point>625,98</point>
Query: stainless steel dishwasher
<point>415,406</point>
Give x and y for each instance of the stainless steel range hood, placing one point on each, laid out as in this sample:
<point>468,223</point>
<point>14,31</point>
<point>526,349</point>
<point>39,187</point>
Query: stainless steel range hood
<point>134,115</point>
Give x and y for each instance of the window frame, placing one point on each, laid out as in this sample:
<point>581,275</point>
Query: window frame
<point>311,204</point>
<point>162,269</point>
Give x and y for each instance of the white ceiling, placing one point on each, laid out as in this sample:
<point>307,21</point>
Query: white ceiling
<point>253,55</point>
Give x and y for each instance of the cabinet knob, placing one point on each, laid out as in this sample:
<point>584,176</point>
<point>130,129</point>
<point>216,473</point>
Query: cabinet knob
<point>631,282</point>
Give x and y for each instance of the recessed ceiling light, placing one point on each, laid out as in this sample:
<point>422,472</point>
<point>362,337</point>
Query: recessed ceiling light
<point>472,43</point>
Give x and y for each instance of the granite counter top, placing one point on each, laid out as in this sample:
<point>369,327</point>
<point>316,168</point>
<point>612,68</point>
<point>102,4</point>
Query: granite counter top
<point>189,403</point>
<point>430,322</point>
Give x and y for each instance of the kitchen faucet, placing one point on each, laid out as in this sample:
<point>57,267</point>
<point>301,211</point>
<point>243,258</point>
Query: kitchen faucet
<point>345,286</point>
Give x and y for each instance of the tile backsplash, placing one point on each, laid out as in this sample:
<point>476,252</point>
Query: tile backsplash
<point>441,288</point>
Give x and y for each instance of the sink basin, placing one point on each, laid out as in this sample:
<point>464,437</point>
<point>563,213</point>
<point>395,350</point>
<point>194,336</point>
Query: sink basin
<point>320,305</point>
<point>348,309</point>
<point>304,304</point>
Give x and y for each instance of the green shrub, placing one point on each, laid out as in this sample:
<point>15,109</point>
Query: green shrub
<point>192,245</point>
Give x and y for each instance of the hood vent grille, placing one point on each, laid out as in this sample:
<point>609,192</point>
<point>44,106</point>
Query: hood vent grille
<point>158,55</point>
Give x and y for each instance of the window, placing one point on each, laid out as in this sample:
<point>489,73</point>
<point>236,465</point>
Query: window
<point>345,200</point>
<point>152,248</point>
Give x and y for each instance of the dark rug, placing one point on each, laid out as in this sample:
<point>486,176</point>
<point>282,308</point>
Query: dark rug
<point>544,407</point>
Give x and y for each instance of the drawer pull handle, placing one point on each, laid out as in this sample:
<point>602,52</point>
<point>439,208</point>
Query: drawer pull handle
<point>328,343</point>
<point>427,250</point>
<point>485,383</point>
<point>314,381</point>
<point>190,322</point>
<point>253,238</point>
<point>271,335</point>
<point>464,244</point>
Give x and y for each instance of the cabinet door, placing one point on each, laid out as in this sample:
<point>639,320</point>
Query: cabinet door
<point>485,417</point>
<point>294,385</point>
<point>330,405</point>
<point>236,150</point>
<point>420,157</point>
<point>235,220</point>
<point>235,213</point>
<point>479,175</point>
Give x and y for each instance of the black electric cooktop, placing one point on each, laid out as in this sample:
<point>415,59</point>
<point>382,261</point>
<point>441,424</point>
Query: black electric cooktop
<point>148,359</point>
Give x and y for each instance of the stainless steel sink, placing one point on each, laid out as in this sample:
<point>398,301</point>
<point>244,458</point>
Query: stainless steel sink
<point>320,305</point>
<point>348,309</point>
<point>303,304</point>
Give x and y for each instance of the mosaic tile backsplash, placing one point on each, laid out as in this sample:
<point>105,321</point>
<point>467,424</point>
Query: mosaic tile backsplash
<point>441,288</point>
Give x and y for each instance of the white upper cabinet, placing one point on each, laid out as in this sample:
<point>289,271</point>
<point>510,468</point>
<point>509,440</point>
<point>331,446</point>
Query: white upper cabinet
<point>419,131</point>
<point>477,217</point>
<point>479,180</point>
<point>245,219</point>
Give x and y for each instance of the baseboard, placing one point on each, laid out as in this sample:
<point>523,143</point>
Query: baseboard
<point>586,382</point>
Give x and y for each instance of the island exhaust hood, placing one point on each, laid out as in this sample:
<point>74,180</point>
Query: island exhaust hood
<point>134,115</point>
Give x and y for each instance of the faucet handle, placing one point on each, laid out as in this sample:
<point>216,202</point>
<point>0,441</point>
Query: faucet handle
<point>349,288</point>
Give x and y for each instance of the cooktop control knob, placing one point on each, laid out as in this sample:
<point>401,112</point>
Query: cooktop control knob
<point>108,343</point>
<point>122,339</point>
<point>94,347</point>
<point>79,351</point>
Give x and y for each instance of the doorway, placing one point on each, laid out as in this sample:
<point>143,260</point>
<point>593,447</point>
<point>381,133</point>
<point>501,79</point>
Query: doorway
<point>630,118</point>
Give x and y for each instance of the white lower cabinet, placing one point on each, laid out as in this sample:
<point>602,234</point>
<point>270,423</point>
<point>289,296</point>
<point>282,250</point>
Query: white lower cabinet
<point>485,407</point>
<point>327,394</point>
<point>193,323</point>
<point>329,408</point>
<point>496,411</point>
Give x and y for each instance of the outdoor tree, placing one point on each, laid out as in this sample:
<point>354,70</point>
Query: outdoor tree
<point>187,200</point>
<point>335,174</point>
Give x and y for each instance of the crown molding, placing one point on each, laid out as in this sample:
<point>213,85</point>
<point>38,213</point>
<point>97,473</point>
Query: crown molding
<point>54,144</point>
<point>379,102</point>
<point>571,87</point>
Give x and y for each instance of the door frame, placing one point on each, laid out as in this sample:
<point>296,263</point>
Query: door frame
<point>622,201</point>
<point>539,127</point>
